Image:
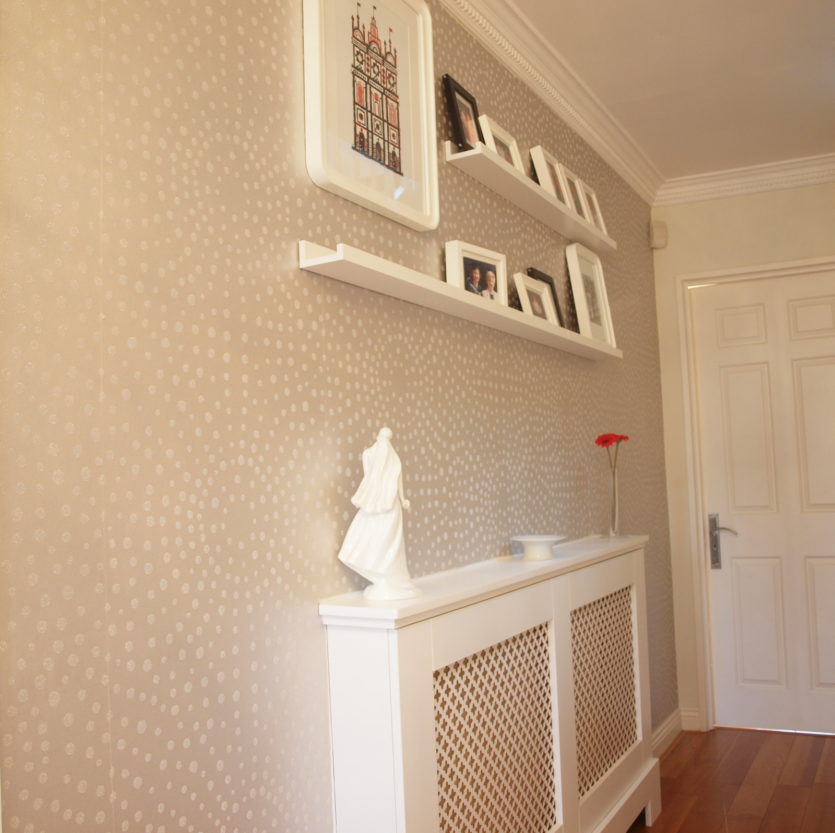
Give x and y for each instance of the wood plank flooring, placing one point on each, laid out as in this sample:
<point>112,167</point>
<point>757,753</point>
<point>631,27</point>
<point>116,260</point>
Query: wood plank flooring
<point>738,781</point>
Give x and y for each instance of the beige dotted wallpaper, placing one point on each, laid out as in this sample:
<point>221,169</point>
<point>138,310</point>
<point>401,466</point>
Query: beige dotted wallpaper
<point>183,410</point>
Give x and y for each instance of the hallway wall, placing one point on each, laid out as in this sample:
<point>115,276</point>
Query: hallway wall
<point>183,410</point>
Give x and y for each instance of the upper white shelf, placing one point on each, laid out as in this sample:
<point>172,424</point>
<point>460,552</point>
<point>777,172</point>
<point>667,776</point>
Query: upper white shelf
<point>345,263</point>
<point>500,176</point>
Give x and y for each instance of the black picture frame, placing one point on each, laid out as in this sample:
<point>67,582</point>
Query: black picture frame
<point>552,285</point>
<point>463,114</point>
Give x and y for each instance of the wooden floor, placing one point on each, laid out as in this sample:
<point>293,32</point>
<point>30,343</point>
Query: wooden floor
<point>737,781</point>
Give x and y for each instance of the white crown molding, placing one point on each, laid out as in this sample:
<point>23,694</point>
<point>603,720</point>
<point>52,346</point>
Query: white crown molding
<point>793,173</point>
<point>511,37</point>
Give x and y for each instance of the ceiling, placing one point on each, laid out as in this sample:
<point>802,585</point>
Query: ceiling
<point>695,86</point>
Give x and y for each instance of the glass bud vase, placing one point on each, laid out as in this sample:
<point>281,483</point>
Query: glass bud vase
<point>614,518</point>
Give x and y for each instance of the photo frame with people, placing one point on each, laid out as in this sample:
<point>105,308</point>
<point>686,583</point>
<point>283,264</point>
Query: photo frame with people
<point>591,301</point>
<point>536,297</point>
<point>477,270</point>
<point>463,114</point>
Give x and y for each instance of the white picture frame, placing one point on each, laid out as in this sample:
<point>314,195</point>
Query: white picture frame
<point>501,142</point>
<point>588,287</point>
<point>575,189</point>
<point>551,175</point>
<point>370,137</point>
<point>595,214</point>
<point>536,298</point>
<point>462,258</point>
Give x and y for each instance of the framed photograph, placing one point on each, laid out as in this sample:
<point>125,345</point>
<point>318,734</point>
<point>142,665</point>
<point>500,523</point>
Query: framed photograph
<point>547,279</point>
<point>575,190</point>
<point>370,106</point>
<point>536,297</point>
<point>501,142</point>
<point>551,175</point>
<point>463,113</point>
<point>589,290</point>
<point>477,270</point>
<point>595,215</point>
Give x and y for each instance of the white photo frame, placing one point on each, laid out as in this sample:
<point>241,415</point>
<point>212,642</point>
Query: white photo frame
<point>551,175</point>
<point>536,297</point>
<point>589,290</point>
<point>370,142</point>
<point>501,142</point>
<point>461,261</point>
<point>578,198</point>
<point>595,214</point>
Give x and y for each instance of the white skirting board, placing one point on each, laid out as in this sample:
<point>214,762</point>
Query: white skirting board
<point>666,733</point>
<point>692,721</point>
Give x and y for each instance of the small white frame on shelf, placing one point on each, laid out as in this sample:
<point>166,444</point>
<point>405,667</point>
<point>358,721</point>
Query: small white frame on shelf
<point>501,142</point>
<point>536,297</point>
<point>549,171</point>
<point>491,170</point>
<point>596,215</point>
<point>578,197</point>
<point>354,266</point>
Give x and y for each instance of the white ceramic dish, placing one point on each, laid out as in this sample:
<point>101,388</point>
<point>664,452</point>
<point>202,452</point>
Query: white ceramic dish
<point>537,547</point>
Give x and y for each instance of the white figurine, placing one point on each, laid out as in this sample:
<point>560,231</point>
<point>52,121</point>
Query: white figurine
<point>373,545</point>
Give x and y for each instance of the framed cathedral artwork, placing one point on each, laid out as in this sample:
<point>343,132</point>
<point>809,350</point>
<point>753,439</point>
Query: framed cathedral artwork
<point>370,106</point>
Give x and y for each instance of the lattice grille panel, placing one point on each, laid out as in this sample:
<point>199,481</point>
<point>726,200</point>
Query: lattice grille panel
<point>604,684</point>
<point>494,739</point>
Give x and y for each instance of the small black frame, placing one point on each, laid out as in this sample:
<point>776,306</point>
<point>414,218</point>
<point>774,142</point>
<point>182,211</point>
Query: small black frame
<point>463,113</point>
<point>552,283</point>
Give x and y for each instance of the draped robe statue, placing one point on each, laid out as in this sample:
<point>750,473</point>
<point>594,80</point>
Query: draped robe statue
<point>373,545</point>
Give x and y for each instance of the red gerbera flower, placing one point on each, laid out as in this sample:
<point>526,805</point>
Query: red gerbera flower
<point>607,441</point>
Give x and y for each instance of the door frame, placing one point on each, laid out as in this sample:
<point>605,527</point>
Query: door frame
<point>697,543</point>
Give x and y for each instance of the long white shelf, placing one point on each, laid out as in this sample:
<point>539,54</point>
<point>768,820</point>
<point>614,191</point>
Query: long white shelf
<point>500,176</point>
<point>345,263</point>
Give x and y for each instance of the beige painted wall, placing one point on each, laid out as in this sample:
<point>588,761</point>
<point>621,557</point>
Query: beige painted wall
<point>757,229</point>
<point>183,410</point>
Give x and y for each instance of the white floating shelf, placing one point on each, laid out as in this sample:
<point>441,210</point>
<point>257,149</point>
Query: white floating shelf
<point>500,176</point>
<point>360,268</point>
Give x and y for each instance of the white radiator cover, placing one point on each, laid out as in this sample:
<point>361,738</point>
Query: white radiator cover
<point>510,697</point>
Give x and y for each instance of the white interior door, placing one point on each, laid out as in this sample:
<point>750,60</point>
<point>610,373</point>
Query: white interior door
<point>765,372</point>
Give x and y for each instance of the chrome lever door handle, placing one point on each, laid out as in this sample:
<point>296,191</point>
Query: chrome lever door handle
<point>715,549</point>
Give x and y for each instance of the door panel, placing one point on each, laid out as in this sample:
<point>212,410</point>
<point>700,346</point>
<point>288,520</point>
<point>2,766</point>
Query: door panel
<point>812,317</point>
<point>821,593</point>
<point>758,621</point>
<point>741,325</point>
<point>764,352</point>
<point>747,434</point>
<point>814,391</point>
